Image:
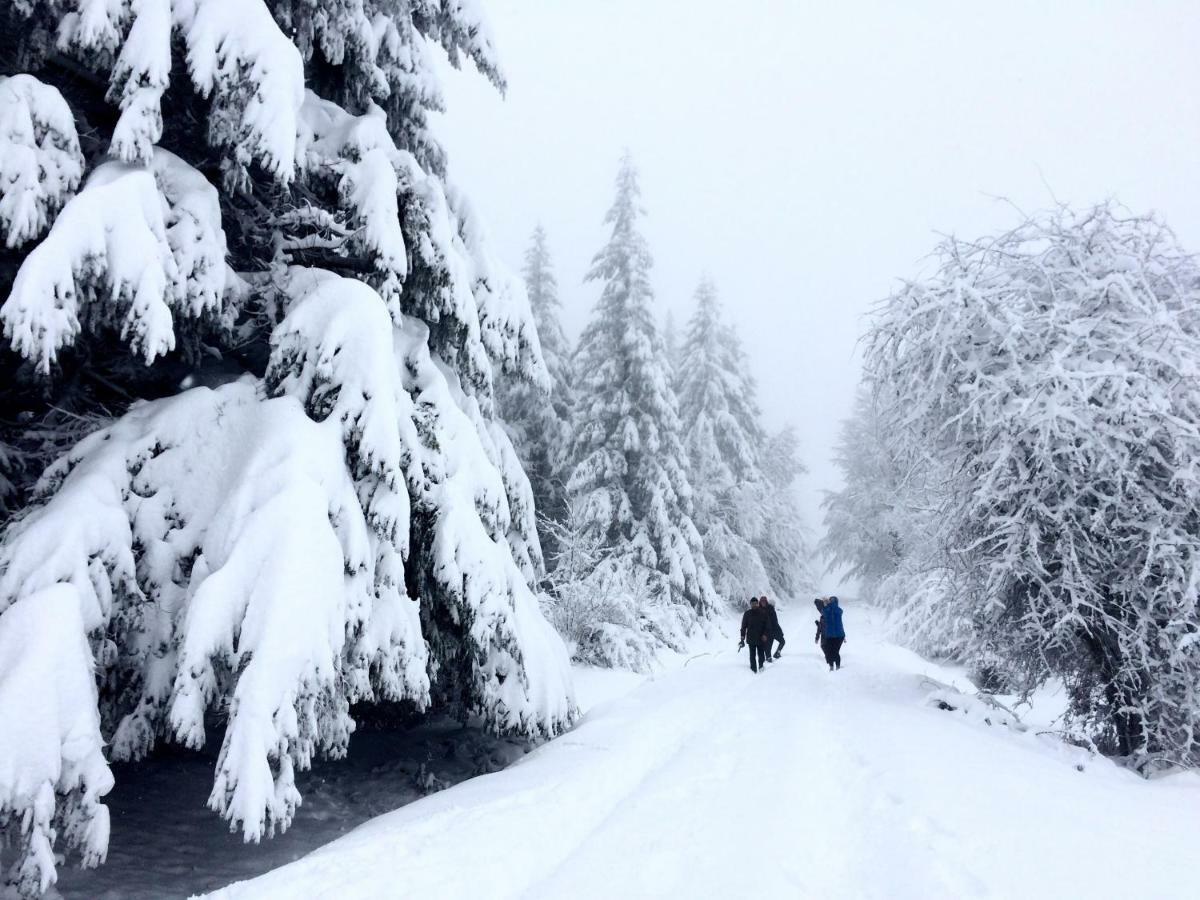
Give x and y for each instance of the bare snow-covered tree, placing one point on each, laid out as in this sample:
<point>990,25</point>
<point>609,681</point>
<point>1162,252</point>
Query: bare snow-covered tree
<point>1046,381</point>
<point>244,194</point>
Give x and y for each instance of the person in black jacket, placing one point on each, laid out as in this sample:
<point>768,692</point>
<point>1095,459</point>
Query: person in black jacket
<point>774,631</point>
<point>754,633</point>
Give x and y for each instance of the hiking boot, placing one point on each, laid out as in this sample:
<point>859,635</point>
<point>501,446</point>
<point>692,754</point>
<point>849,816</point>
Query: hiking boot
<point>776,656</point>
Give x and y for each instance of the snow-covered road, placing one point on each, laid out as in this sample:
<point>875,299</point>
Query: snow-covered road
<point>708,781</point>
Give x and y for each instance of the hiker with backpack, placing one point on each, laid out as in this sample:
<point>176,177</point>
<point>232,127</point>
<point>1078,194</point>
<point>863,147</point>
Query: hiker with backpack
<point>754,633</point>
<point>774,630</point>
<point>831,633</point>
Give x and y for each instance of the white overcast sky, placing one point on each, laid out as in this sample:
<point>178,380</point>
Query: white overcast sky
<point>806,154</point>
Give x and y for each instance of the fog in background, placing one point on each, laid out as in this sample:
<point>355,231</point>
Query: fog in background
<point>806,154</point>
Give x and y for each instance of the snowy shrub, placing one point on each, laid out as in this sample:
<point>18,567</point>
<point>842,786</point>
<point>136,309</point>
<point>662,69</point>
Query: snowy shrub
<point>1040,393</point>
<point>609,611</point>
<point>617,617</point>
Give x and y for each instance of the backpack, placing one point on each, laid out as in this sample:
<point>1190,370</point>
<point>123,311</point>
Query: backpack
<point>833,622</point>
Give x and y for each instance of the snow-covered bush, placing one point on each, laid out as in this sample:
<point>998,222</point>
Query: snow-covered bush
<point>601,618</point>
<point>1040,394</point>
<point>610,612</point>
<point>340,518</point>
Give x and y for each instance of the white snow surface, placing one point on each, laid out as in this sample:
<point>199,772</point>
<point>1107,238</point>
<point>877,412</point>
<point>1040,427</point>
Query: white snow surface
<point>705,779</point>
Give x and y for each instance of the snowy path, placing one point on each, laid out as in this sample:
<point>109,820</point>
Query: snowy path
<point>711,782</point>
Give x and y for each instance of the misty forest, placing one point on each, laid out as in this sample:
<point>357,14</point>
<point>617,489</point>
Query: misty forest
<point>322,508</point>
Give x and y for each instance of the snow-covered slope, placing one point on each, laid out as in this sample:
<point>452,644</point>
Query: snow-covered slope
<point>708,781</point>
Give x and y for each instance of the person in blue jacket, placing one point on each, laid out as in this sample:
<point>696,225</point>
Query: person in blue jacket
<point>832,632</point>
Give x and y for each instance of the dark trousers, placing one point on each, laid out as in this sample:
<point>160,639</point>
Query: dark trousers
<point>779,642</point>
<point>832,647</point>
<point>758,653</point>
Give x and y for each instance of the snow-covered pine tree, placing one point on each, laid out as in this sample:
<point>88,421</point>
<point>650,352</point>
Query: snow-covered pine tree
<point>1046,381</point>
<point>723,437</point>
<point>865,529</point>
<point>628,466</point>
<point>671,345</point>
<point>781,536</point>
<point>243,194</point>
<point>540,424</point>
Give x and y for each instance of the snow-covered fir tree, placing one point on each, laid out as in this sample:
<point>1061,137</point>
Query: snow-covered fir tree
<point>743,480</point>
<point>671,345</point>
<point>539,423</point>
<point>780,535</point>
<point>628,465</point>
<point>723,438</point>
<point>1039,400</point>
<point>244,195</point>
<point>865,529</point>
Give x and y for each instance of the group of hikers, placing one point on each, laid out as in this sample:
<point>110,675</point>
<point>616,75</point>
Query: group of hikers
<point>761,631</point>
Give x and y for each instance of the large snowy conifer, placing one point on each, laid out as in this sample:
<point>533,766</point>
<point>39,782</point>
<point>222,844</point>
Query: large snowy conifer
<point>244,195</point>
<point>781,536</point>
<point>628,465</point>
